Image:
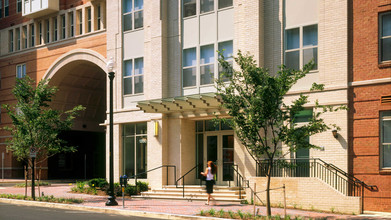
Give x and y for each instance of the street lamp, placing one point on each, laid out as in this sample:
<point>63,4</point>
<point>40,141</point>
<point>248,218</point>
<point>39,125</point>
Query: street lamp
<point>111,200</point>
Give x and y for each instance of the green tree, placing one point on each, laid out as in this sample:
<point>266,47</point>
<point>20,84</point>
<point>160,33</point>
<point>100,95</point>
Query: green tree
<point>260,118</point>
<point>35,124</point>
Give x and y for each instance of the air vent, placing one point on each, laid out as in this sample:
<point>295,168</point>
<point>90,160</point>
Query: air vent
<point>386,99</point>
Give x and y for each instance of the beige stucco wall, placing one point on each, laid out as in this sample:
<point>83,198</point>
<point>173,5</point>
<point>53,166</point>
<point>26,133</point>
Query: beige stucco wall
<point>305,193</point>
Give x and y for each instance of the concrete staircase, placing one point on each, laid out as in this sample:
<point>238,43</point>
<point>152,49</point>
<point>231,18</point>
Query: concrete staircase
<point>194,192</point>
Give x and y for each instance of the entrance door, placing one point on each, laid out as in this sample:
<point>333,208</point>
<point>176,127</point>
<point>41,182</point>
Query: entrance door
<point>219,148</point>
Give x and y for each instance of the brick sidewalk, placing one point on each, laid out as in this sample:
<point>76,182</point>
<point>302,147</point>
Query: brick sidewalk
<point>174,207</point>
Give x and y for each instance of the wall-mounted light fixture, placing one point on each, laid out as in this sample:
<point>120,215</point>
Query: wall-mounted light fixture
<point>156,128</point>
<point>335,133</point>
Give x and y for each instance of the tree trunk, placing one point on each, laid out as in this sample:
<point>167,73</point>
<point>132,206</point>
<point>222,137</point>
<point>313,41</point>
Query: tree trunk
<point>268,207</point>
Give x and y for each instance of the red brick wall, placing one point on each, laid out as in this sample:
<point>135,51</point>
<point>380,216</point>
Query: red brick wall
<point>365,102</point>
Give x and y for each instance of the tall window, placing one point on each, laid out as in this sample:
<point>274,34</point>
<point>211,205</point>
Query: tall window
<point>11,40</point>
<point>133,74</point>
<point>98,17</point>
<point>385,133</point>
<point>40,30</point>
<point>207,64</point>
<point>47,24</point>
<point>301,46</point>
<point>226,48</point>
<point>189,67</point>
<point>18,6</point>
<point>63,27</point>
<point>133,14</point>
<point>89,21</point>
<point>135,149</point>
<point>32,35</point>
<point>17,33</point>
<point>80,21</point>
<point>55,29</point>
<point>20,71</point>
<point>71,31</point>
<point>24,37</point>
<point>190,6</point>
<point>6,8</point>
<point>385,37</point>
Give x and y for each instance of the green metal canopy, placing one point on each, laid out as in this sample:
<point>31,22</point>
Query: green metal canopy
<point>188,103</point>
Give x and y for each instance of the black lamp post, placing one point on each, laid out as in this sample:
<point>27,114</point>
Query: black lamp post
<point>111,200</point>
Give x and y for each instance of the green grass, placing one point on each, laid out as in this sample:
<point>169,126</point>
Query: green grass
<point>43,198</point>
<point>20,185</point>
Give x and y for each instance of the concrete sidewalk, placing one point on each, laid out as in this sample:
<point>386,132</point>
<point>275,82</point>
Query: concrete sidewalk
<point>165,209</point>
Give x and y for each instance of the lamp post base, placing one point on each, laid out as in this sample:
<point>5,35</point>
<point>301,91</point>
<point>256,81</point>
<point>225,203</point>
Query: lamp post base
<point>111,201</point>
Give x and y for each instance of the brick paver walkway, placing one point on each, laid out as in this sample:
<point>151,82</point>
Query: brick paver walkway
<point>170,207</point>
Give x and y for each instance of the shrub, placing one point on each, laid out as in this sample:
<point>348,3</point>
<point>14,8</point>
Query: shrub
<point>98,182</point>
<point>43,198</point>
<point>29,184</point>
<point>142,186</point>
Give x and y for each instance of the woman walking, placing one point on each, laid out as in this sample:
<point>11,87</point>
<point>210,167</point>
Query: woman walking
<point>209,174</point>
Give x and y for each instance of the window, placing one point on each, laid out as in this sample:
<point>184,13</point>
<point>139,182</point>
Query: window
<point>89,27</point>
<point>63,27</point>
<point>207,6</point>
<point>207,64</point>
<point>1,8</point>
<point>11,41</point>
<point>135,149</point>
<point>385,37</point>
<point>226,48</point>
<point>40,33</point>
<point>133,14</point>
<point>24,37</point>
<point>32,35</point>
<point>20,71</point>
<point>133,76</point>
<point>80,21</point>
<point>71,31</point>
<point>189,8</point>
<point>18,6</point>
<point>98,18</point>
<point>17,33</point>
<point>47,38</point>
<point>301,46</point>
<point>6,8</point>
<point>55,29</point>
<point>385,139</point>
<point>189,67</point>
<point>225,3</point>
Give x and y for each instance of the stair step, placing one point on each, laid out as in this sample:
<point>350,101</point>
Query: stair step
<point>190,195</point>
<point>190,198</point>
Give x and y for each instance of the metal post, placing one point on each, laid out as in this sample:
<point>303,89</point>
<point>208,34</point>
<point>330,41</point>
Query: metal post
<point>32,179</point>
<point>255,193</point>
<point>2,166</point>
<point>111,200</point>
<point>284,201</point>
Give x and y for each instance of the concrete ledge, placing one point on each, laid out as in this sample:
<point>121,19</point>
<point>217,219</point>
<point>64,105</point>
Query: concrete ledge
<point>102,210</point>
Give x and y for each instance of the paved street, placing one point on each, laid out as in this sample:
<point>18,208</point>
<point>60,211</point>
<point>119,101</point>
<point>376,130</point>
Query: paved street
<point>19,212</point>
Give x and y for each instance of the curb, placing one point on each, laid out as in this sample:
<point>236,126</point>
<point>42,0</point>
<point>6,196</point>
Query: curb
<point>104,210</point>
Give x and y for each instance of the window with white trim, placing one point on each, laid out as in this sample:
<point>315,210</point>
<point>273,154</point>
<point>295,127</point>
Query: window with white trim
<point>385,37</point>
<point>385,139</point>
<point>47,30</point>
<point>301,46</point>
<point>18,6</point>
<point>20,71</point>
<point>40,32</point>
<point>11,41</point>
<point>32,35</point>
<point>55,29</point>
<point>6,8</point>
<point>63,26</point>
<point>135,149</point>
<point>98,17</point>
<point>17,33</point>
<point>80,22</point>
<point>226,48</point>
<point>190,6</point>
<point>24,37</point>
<point>133,76</point>
<point>133,17</point>
<point>89,20</point>
<point>71,31</point>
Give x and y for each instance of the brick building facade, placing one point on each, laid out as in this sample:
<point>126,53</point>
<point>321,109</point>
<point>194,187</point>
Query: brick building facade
<point>370,89</point>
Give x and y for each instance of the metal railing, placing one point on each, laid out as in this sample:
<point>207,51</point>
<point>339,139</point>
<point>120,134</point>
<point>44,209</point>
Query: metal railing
<point>183,178</point>
<point>314,167</point>
<point>159,167</point>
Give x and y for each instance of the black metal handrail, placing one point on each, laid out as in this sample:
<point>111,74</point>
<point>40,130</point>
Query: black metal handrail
<point>159,167</point>
<point>314,167</point>
<point>240,180</point>
<point>183,178</point>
